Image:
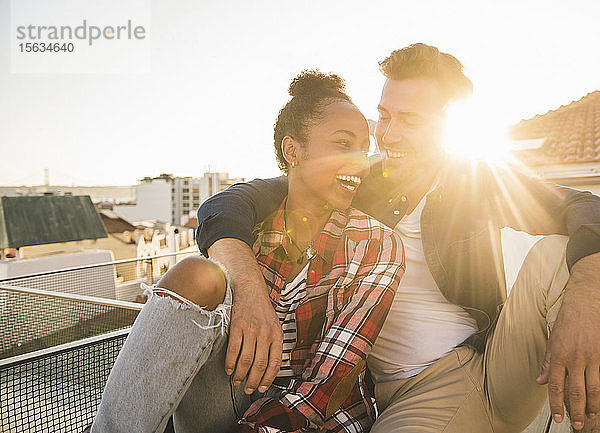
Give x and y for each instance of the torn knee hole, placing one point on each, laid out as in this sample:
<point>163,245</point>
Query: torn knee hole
<point>216,317</point>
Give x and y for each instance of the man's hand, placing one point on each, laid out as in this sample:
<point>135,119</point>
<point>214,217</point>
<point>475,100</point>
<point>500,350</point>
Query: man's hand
<point>255,341</point>
<point>573,351</point>
<point>255,335</point>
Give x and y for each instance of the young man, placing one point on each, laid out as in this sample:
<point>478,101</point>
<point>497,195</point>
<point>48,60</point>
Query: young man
<point>449,357</point>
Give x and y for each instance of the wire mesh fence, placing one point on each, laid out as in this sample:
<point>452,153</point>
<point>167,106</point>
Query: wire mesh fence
<point>57,389</point>
<point>56,351</point>
<point>60,333</point>
<point>112,280</point>
<point>32,319</point>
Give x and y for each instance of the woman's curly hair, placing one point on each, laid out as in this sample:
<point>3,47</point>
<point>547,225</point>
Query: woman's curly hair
<point>311,92</point>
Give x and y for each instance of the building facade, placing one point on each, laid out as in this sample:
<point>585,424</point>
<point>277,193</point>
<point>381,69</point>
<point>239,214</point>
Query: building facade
<point>173,199</point>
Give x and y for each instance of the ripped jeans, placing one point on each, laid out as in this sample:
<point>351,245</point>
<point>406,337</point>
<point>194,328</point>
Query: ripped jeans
<point>173,363</point>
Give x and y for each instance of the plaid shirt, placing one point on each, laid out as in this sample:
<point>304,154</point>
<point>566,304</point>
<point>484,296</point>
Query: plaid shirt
<point>350,287</point>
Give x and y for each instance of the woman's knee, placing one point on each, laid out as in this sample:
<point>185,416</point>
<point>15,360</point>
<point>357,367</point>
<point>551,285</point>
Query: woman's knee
<point>197,279</point>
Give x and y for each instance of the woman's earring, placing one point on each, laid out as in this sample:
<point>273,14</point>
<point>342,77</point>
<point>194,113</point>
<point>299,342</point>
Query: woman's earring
<point>294,164</point>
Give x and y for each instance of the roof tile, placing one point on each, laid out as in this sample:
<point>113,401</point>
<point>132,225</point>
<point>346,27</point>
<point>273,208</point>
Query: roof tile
<point>571,133</point>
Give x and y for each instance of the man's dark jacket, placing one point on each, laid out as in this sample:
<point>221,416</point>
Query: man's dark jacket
<point>460,224</point>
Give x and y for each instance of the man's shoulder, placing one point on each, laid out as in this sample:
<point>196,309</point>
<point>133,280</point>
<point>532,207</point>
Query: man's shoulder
<point>379,197</point>
<point>455,169</point>
<point>481,182</point>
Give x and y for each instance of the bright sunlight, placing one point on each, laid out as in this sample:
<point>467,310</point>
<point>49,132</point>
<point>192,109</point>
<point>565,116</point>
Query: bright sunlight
<point>471,133</point>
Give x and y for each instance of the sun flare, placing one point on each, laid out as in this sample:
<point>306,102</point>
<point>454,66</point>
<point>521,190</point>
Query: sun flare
<point>470,133</point>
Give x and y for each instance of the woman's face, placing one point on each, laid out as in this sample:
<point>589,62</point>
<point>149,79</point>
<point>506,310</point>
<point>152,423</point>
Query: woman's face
<point>332,163</point>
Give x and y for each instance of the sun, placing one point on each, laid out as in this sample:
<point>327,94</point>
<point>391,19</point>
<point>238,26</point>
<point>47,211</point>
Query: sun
<point>471,133</point>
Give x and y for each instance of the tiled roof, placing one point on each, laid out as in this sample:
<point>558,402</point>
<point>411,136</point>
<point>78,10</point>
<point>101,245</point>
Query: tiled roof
<point>191,223</point>
<point>114,223</point>
<point>571,133</point>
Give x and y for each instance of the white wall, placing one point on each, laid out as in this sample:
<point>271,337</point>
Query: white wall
<point>153,201</point>
<point>595,189</point>
<point>515,246</point>
<point>98,281</point>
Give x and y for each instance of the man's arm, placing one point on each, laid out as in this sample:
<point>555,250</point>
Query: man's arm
<point>573,350</point>
<point>539,207</point>
<point>225,233</point>
<point>235,212</point>
<point>255,335</point>
<point>572,359</point>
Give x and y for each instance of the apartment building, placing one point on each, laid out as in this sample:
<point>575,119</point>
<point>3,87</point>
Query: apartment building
<point>171,198</point>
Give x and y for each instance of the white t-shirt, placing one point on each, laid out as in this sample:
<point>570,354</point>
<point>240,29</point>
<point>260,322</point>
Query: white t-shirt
<point>422,326</point>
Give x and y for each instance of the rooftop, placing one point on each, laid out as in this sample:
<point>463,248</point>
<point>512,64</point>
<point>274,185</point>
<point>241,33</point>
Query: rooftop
<point>38,220</point>
<point>114,223</point>
<point>570,134</point>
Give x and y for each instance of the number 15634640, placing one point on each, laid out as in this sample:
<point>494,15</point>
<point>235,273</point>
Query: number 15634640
<point>42,47</point>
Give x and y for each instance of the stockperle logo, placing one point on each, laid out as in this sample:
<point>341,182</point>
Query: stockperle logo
<point>85,32</point>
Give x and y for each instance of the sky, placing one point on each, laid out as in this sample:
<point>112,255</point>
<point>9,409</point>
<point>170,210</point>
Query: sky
<point>214,74</point>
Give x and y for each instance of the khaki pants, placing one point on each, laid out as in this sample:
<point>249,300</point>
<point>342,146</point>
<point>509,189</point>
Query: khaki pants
<point>468,392</point>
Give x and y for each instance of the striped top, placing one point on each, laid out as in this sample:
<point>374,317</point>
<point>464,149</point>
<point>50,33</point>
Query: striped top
<point>291,296</point>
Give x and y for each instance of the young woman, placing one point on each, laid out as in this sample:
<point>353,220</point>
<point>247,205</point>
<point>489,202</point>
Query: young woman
<point>331,272</point>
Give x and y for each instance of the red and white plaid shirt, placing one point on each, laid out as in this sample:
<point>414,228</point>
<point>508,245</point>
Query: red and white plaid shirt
<point>350,287</point>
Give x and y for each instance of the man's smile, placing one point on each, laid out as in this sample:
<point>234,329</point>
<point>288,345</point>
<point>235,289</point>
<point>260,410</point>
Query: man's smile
<point>397,154</point>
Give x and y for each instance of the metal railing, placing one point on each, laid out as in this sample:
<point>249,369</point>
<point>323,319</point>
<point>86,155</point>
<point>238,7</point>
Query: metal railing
<point>111,280</point>
<point>56,351</point>
<point>57,389</point>
<point>32,319</point>
<point>60,333</point>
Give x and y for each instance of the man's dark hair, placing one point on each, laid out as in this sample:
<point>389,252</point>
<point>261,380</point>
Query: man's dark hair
<point>311,92</point>
<point>424,61</point>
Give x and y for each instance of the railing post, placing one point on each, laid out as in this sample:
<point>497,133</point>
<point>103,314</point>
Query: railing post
<point>151,276</point>
<point>173,244</point>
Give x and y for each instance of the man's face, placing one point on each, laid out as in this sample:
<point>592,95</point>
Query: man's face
<point>409,128</point>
